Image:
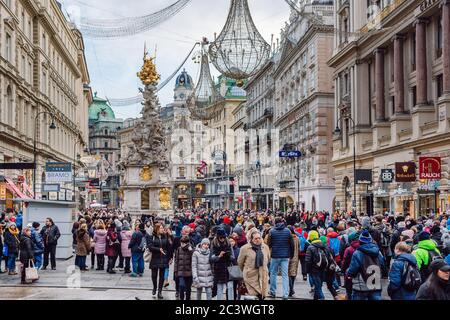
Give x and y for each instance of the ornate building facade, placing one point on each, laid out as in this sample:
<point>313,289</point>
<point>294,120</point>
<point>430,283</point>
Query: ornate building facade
<point>392,77</point>
<point>304,107</point>
<point>43,77</point>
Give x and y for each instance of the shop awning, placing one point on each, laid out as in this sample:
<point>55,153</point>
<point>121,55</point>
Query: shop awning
<point>10,185</point>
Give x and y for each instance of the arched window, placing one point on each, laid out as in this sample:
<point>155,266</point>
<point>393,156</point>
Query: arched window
<point>9,107</point>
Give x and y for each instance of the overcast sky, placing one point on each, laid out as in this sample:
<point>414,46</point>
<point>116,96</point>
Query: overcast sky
<point>113,63</point>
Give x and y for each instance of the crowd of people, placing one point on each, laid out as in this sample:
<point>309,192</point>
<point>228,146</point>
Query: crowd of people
<point>237,254</point>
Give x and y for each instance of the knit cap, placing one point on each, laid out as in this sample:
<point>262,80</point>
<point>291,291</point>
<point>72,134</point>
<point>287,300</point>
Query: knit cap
<point>313,235</point>
<point>365,237</point>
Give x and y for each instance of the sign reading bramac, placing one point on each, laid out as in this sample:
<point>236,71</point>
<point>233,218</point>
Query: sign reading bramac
<point>405,171</point>
<point>58,172</point>
<point>430,168</point>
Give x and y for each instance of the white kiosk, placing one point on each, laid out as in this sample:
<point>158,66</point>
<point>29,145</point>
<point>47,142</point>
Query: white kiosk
<point>63,215</point>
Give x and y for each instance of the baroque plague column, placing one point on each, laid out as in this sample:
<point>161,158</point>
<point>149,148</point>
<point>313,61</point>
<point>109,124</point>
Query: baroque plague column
<point>145,171</point>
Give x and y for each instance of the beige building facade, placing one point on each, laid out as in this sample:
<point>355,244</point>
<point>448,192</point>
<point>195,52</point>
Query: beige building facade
<point>43,75</point>
<point>392,78</point>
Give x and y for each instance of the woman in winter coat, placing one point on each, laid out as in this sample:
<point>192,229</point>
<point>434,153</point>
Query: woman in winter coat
<point>125,237</point>
<point>112,247</point>
<point>221,258</point>
<point>100,244</point>
<point>12,242</point>
<point>396,289</point>
<point>236,249</point>
<point>83,247</point>
<point>437,286</point>
<point>183,268</point>
<point>253,260</point>
<point>293,263</point>
<point>159,245</point>
<point>202,271</point>
<point>26,252</point>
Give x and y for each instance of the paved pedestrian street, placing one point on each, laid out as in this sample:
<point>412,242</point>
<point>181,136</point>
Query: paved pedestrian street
<point>65,284</point>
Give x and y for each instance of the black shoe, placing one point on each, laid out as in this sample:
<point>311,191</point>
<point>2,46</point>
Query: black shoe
<point>111,272</point>
<point>44,268</point>
<point>160,296</point>
<point>272,295</point>
<point>154,292</point>
<point>291,294</point>
<point>53,268</point>
<point>305,278</point>
<point>177,295</point>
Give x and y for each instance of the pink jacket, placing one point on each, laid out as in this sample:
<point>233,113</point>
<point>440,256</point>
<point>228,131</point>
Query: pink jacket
<point>100,241</point>
<point>126,238</point>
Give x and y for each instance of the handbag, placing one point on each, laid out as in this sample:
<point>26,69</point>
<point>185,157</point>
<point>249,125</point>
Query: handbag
<point>241,288</point>
<point>31,272</point>
<point>235,273</point>
<point>147,255</point>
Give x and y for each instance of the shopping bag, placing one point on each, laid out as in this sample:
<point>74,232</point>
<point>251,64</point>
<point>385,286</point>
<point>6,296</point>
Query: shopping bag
<point>31,272</point>
<point>147,255</point>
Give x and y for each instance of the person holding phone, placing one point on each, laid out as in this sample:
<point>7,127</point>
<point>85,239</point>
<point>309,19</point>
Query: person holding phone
<point>159,244</point>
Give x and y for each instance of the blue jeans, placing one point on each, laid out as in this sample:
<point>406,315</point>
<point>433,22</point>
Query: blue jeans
<point>230,290</point>
<point>38,261</point>
<point>369,295</point>
<point>275,264</point>
<point>317,280</point>
<point>80,262</point>
<point>137,259</point>
<point>12,262</point>
<point>166,274</point>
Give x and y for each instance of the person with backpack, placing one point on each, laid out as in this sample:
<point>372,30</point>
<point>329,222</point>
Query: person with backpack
<point>334,243</point>
<point>137,247</point>
<point>302,236</point>
<point>404,276</point>
<point>365,269</point>
<point>426,253</point>
<point>316,263</point>
<point>437,286</point>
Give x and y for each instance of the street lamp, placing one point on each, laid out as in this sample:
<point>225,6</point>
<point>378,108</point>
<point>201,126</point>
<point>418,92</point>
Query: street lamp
<point>337,131</point>
<point>51,127</point>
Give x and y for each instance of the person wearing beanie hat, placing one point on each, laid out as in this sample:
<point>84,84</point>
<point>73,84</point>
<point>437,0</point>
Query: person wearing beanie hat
<point>365,237</point>
<point>318,260</point>
<point>426,252</point>
<point>436,287</point>
<point>353,239</point>
<point>202,272</point>
<point>367,257</point>
<point>11,239</point>
<point>365,222</point>
<point>403,260</point>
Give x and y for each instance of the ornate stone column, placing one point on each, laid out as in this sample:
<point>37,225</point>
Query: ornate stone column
<point>380,85</point>
<point>399,79</point>
<point>421,61</point>
<point>446,44</point>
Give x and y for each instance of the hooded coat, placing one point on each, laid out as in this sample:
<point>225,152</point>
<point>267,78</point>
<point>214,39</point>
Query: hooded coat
<point>202,273</point>
<point>183,261</point>
<point>311,252</point>
<point>357,264</point>
<point>395,289</point>
<point>83,246</point>
<point>348,254</point>
<point>26,249</point>
<point>221,264</point>
<point>38,243</point>
<point>256,280</point>
<point>422,256</point>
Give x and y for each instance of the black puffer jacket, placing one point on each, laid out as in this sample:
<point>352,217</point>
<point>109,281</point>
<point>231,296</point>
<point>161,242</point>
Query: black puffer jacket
<point>183,261</point>
<point>154,244</point>
<point>220,265</point>
<point>26,248</point>
<point>50,235</point>
<point>312,252</point>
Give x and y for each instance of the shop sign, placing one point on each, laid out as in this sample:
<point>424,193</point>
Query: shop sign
<point>405,171</point>
<point>430,168</point>
<point>364,176</point>
<point>58,172</point>
<point>387,175</point>
<point>53,196</point>
<point>431,186</point>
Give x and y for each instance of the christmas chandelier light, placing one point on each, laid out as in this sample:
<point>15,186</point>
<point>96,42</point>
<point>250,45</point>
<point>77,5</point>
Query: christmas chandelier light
<point>116,28</point>
<point>239,50</point>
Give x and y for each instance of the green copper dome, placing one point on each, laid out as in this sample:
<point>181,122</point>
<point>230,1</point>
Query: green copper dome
<point>100,107</point>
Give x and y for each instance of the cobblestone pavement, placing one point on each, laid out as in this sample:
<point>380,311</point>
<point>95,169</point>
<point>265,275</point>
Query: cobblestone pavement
<point>67,283</point>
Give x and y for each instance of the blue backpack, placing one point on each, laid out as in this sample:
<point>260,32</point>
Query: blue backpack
<point>303,241</point>
<point>335,244</point>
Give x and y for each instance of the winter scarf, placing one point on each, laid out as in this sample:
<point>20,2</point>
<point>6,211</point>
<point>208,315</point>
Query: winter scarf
<point>14,232</point>
<point>259,261</point>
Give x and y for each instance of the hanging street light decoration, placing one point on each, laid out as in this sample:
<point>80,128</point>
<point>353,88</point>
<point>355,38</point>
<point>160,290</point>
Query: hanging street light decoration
<point>239,50</point>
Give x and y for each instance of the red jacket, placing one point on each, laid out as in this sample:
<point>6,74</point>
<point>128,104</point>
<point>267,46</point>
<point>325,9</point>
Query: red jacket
<point>348,254</point>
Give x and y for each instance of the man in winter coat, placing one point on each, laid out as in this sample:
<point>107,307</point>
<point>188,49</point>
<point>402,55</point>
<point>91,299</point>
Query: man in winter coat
<point>38,245</point>
<point>401,226</point>
<point>366,269</point>
<point>137,246</point>
<point>183,268</point>
<point>50,234</point>
<point>281,243</point>
<point>425,253</point>
<point>353,238</point>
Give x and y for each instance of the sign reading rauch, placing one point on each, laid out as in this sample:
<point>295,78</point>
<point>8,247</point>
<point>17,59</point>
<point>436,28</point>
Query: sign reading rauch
<point>430,168</point>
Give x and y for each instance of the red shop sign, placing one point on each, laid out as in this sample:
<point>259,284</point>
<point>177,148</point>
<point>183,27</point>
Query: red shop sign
<point>430,168</point>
